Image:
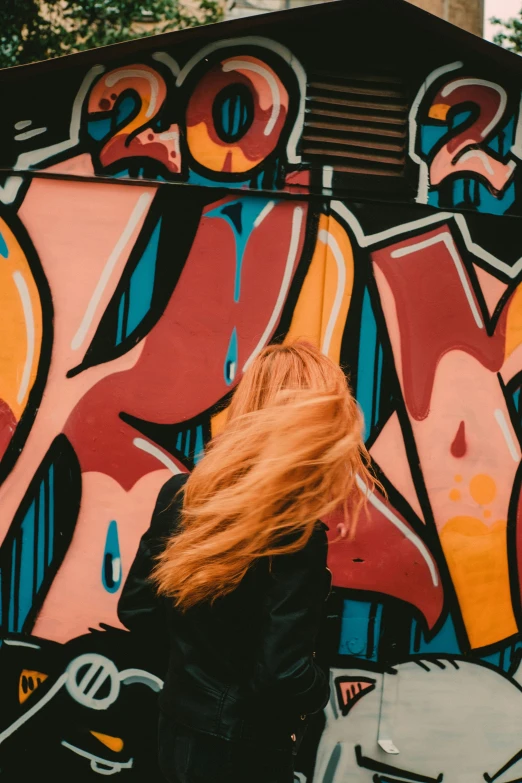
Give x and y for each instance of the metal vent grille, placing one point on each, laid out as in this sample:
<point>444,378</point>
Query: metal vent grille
<point>357,124</point>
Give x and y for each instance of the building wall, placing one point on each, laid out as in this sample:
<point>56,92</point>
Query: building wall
<point>238,9</point>
<point>468,14</point>
<point>165,216</point>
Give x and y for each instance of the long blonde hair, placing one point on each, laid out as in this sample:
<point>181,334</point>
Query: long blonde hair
<point>289,454</point>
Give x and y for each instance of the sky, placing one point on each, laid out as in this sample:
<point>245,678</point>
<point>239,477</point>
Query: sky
<point>501,8</point>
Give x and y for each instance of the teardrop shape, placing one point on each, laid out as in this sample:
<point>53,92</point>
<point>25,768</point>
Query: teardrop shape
<point>459,446</point>
<point>111,565</point>
<point>113,743</point>
<point>243,217</point>
<point>230,368</point>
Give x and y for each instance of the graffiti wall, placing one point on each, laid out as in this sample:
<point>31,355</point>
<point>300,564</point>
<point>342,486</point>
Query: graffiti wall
<point>188,204</point>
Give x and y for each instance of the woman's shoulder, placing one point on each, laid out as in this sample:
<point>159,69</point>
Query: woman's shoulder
<point>319,537</point>
<point>168,504</point>
<point>170,489</point>
<point>174,484</point>
<point>316,544</point>
<point>320,530</point>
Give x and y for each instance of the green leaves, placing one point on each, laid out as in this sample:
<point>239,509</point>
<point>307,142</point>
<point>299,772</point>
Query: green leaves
<point>33,30</point>
<point>511,36</point>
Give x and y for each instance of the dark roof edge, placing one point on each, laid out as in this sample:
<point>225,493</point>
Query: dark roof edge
<point>411,14</point>
<point>469,41</point>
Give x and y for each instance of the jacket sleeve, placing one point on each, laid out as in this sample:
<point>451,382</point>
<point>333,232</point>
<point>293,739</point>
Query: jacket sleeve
<point>140,609</point>
<point>286,674</point>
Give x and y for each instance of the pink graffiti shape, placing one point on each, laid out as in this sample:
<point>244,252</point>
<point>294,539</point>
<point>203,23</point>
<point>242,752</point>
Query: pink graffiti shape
<point>436,313</point>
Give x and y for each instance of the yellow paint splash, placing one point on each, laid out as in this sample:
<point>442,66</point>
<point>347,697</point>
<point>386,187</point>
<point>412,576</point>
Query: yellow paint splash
<point>514,322</point>
<point>28,682</point>
<point>20,324</point>
<point>322,308</point>
<point>214,156</point>
<point>439,111</point>
<point>477,559</point>
<point>218,421</point>
<point>482,489</point>
<point>113,743</point>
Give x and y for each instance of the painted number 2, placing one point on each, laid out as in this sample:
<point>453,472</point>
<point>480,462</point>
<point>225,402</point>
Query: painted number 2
<point>474,110</point>
<point>124,115</point>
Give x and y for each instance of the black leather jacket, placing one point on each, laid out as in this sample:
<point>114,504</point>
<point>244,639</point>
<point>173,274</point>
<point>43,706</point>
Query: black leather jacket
<point>243,667</point>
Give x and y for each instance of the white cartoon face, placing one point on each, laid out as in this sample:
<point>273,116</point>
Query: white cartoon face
<point>449,720</point>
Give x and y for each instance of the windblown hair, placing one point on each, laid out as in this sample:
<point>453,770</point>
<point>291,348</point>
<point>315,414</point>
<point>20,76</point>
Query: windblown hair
<point>290,453</point>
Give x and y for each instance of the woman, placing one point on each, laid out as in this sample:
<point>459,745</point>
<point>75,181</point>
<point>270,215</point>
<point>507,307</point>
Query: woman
<point>234,566</point>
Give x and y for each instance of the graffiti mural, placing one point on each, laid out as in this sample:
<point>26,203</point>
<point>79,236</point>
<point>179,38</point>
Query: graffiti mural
<point>196,202</point>
<point>391,705</point>
<point>467,141</point>
<point>73,714</point>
